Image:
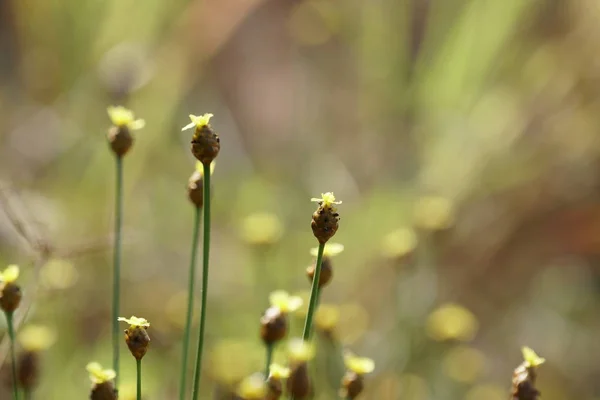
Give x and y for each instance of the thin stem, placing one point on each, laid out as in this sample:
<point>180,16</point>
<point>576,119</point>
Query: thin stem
<point>139,378</point>
<point>190,305</point>
<point>28,394</point>
<point>205,259</point>
<point>269,347</point>
<point>117,267</point>
<point>11,335</point>
<point>314,294</point>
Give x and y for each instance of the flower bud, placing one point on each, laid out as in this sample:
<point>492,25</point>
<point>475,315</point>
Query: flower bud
<point>298,384</point>
<point>352,385</point>
<point>102,388</point>
<point>524,376</point>
<point>205,142</point>
<point>326,272</point>
<point>325,220</point>
<point>119,135</point>
<point>136,337</point>
<point>10,291</point>
<point>28,370</point>
<point>104,391</point>
<point>273,325</point>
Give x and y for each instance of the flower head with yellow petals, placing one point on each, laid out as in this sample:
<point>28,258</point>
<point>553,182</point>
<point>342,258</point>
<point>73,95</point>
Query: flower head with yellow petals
<point>261,228</point>
<point>253,388</point>
<point>284,302</point>
<point>330,250</point>
<point>277,371</point>
<point>122,117</point>
<point>358,365</point>
<point>198,121</point>
<point>135,322</point>
<point>10,274</point>
<point>98,375</point>
<point>300,350</point>
<point>36,337</point>
<point>532,360</point>
<point>326,200</point>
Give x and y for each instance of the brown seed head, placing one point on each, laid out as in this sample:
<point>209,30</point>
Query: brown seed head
<point>352,385</point>
<point>205,144</point>
<point>326,272</point>
<point>325,222</point>
<point>103,391</point>
<point>28,369</point>
<point>120,139</point>
<point>523,383</point>
<point>298,384</point>
<point>196,189</point>
<point>137,340</point>
<point>273,325</point>
<point>10,296</point>
<point>275,387</point>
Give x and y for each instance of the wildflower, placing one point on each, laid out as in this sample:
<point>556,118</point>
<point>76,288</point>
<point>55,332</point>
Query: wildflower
<point>399,244</point>
<point>119,134</point>
<point>261,229</point>
<point>253,388</point>
<point>326,319</point>
<point>274,324</point>
<point>330,250</point>
<point>298,383</point>
<point>325,219</point>
<point>352,382</point>
<point>102,386</point>
<point>33,339</point>
<point>195,187</point>
<point>205,142</point>
<point>274,382</point>
<point>300,350</point>
<point>10,292</point>
<point>136,337</point>
<point>452,322</point>
<point>434,213</point>
<point>525,375</point>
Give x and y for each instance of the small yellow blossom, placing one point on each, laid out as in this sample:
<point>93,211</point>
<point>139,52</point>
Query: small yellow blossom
<point>326,200</point>
<point>330,250</point>
<point>327,317</point>
<point>286,303</point>
<point>434,213</point>
<point>10,274</point>
<point>135,322</point>
<point>452,321</point>
<point>531,358</point>
<point>198,121</point>
<point>261,228</point>
<point>36,337</point>
<point>122,117</point>
<point>277,371</point>
<point>200,168</point>
<point>300,350</point>
<point>99,375</point>
<point>399,243</point>
<point>253,388</point>
<point>358,365</point>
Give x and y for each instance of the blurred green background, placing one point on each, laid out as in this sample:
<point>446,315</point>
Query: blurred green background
<point>461,136</point>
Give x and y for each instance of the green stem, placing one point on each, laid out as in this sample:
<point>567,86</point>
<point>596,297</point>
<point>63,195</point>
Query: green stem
<point>190,305</point>
<point>117,267</point>
<point>28,394</point>
<point>205,259</point>
<point>270,347</point>
<point>314,294</point>
<point>139,378</point>
<point>11,335</point>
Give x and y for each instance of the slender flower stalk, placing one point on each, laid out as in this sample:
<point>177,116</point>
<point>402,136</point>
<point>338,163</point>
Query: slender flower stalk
<point>120,140</point>
<point>139,378</point>
<point>314,294</point>
<point>205,260</point>
<point>269,358</point>
<point>11,335</point>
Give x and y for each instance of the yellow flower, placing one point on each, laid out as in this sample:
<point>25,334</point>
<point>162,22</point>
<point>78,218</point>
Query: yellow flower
<point>277,371</point>
<point>326,200</point>
<point>99,375</point>
<point>399,243</point>
<point>10,274</point>
<point>452,321</point>
<point>36,337</point>
<point>198,122</point>
<point>358,365</point>
<point>286,303</point>
<point>122,117</point>
<point>330,250</point>
<point>434,213</point>
<point>300,350</point>
<point>531,358</point>
<point>327,317</point>
<point>253,388</point>
<point>135,322</point>
<point>200,168</point>
<point>261,228</point>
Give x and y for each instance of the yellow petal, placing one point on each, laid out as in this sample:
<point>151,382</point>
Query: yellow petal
<point>137,124</point>
<point>99,375</point>
<point>135,321</point>
<point>531,358</point>
<point>278,371</point>
<point>36,337</point>
<point>358,365</point>
<point>327,199</point>
<point>330,250</point>
<point>10,274</point>
<point>253,388</point>
<point>120,116</point>
<point>300,350</point>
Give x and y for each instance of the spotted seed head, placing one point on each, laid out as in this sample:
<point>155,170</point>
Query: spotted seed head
<point>325,220</point>
<point>136,336</point>
<point>10,291</point>
<point>205,142</point>
<point>119,134</point>
<point>195,186</point>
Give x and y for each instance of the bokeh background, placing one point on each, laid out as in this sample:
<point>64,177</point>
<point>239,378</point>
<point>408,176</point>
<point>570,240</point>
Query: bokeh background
<point>461,136</point>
